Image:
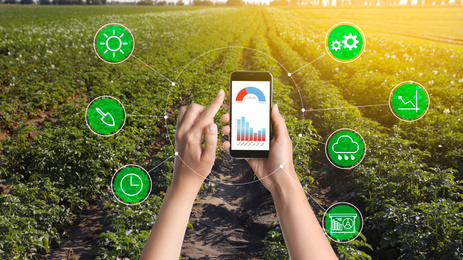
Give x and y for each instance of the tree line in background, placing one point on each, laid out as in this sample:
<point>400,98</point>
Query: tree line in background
<point>140,2</point>
<point>191,2</point>
<point>241,2</point>
<point>358,2</point>
<point>196,3</point>
<point>55,2</point>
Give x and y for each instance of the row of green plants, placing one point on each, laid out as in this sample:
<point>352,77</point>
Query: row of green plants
<point>284,96</point>
<point>412,205</point>
<point>198,83</point>
<point>54,169</point>
<point>275,246</point>
<point>407,186</point>
<point>384,64</point>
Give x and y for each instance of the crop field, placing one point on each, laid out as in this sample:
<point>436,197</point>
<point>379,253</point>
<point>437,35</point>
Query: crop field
<point>54,170</point>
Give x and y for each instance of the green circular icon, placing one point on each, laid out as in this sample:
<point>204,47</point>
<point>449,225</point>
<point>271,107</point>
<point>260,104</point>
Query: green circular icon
<point>114,43</point>
<point>342,222</point>
<point>105,116</point>
<point>409,101</point>
<point>345,148</point>
<point>131,184</point>
<point>345,42</point>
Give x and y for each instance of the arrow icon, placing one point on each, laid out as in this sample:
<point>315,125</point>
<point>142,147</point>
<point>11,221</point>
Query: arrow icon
<point>106,117</point>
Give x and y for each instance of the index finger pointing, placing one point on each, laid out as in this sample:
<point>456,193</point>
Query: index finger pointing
<point>209,113</point>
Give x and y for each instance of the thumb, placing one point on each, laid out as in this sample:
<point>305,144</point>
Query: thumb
<point>211,143</point>
<point>279,126</point>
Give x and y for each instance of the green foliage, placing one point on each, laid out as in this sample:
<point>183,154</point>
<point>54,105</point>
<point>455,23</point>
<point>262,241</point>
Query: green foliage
<point>235,2</point>
<point>351,251</point>
<point>408,187</point>
<point>130,226</point>
<point>202,3</point>
<point>409,170</point>
<point>274,245</point>
<point>62,151</point>
<point>33,217</point>
<point>145,2</point>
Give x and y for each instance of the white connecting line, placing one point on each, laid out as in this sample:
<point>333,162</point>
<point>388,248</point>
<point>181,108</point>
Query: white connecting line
<point>308,63</point>
<point>153,69</point>
<point>336,108</point>
<point>310,110</point>
<point>160,164</point>
<point>223,183</point>
<point>237,184</point>
<point>303,189</point>
<point>146,115</point>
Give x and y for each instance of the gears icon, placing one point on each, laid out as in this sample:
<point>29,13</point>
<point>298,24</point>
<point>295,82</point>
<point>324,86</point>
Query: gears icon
<point>351,46</point>
<point>336,45</point>
<point>345,42</point>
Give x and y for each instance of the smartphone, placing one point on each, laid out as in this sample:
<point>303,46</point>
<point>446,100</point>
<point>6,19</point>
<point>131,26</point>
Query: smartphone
<point>250,103</point>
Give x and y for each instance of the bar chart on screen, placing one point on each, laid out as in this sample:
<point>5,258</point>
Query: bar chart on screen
<point>247,135</point>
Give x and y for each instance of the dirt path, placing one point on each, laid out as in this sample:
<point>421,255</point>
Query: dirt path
<point>79,244</point>
<point>230,221</point>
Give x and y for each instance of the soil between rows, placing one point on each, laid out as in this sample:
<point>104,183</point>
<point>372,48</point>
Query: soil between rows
<point>229,221</point>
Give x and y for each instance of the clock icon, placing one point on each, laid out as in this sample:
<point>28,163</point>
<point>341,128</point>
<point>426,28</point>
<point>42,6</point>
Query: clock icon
<point>131,184</point>
<point>133,187</point>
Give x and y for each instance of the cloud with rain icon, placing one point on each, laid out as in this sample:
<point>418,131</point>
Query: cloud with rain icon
<point>344,146</point>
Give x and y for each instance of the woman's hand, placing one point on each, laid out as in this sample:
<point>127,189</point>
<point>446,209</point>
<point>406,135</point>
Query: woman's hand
<point>269,170</point>
<point>303,235</point>
<point>192,164</point>
<point>194,161</point>
<point>302,232</point>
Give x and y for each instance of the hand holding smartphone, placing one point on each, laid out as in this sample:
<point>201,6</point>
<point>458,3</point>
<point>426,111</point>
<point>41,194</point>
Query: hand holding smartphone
<point>251,95</point>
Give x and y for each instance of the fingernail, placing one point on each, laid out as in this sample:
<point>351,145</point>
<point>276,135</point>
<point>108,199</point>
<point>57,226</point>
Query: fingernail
<point>276,107</point>
<point>212,128</point>
<point>220,92</point>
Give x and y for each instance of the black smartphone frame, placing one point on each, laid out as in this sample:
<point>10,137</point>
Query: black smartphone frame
<point>250,76</point>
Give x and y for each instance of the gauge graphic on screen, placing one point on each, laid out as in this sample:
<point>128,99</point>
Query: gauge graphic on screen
<point>254,93</point>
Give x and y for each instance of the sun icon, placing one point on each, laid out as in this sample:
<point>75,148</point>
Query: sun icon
<point>114,43</point>
<point>115,38</point>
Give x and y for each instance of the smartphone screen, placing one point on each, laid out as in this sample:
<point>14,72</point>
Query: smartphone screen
<point>250,104</point>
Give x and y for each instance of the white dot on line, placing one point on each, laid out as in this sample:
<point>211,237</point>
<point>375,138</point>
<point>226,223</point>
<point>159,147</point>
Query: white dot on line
<point>300,135</point>
<point>176,153</point>
<point>289,74</point>
<point>165,117</point>
<point>281,166</point>
<point>303,110</point>
<point>173,83</point>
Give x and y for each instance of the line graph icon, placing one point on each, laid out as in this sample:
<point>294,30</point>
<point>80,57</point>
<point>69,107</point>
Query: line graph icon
<point>414,105</point>
<point>409,101</point>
